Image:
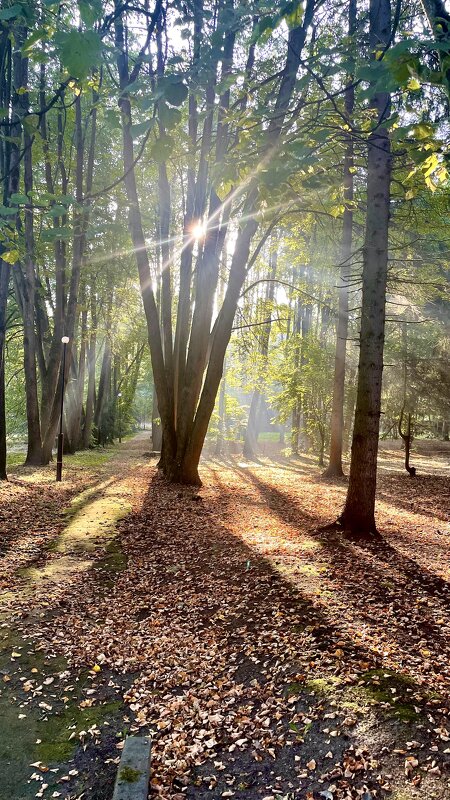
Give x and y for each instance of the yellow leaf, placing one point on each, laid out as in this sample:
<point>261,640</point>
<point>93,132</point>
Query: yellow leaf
<point>11,256</point>
<point>413,84</point>
<point>96,668</point>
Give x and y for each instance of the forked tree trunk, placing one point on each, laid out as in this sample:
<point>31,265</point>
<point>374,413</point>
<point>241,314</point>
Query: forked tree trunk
<point>358,516</point>
<point>184,429</point>
<point>334,469</point>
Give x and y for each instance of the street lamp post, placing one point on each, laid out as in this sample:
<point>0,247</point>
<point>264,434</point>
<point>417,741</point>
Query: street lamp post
<point>119,395</point>
<point>59,457</point>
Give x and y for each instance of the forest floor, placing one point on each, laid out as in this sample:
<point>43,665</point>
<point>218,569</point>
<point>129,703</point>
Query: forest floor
<point>268,659</point>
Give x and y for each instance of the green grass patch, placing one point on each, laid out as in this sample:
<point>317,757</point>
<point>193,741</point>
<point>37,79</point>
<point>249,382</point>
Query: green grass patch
<point>269,436</point>
<point>95,457</point>
<point>15,460</point>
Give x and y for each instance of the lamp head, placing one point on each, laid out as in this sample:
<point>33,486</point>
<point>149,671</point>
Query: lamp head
<point>65,340</point>
<point>119,394</point>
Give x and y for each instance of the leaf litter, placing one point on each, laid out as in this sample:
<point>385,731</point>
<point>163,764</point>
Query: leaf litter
<point>266,659</point>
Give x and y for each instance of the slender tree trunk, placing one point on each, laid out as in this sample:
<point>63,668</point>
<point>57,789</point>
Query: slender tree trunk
<point>76,420</point>
<point>12,77</point>
<point>251,433</point>
<point>358,516</point>
<point>334,468</point>
<point>222,413</point>
<point>91,358</point>
<point>4,284</point>
<point>34,446</point>
<point>5,151</point>
<point>349,409</point>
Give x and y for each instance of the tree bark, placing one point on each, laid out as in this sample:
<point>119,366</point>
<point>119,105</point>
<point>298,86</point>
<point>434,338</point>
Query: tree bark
<point>251,432</point>
<point>4,284</point>
<point>182,445</point>
<point>358,516</point>
<point>334,469</point>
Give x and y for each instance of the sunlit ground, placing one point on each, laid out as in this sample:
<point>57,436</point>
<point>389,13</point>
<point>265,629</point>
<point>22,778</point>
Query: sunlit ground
<point>392,597</point>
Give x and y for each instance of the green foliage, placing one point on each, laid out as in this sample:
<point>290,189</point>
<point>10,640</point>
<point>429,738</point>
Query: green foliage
<point>79,51</point>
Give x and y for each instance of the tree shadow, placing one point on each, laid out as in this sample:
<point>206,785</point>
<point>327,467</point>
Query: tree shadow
<point>222,603</point>
<point>380,568</point>
<point>417,491</point>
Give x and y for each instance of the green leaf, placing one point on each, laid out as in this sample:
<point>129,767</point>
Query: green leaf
<point>5,211</point>
<point>423,130</point>
<point>90,11</point>
<point>33,39</point>
<point>19,198</point>
<point>223,189</point>
<point>162,149</point>
<point>176,93</point>
<point>79,52</point>
<point>11,13</point>
<point>57,211</point>
<point>142,127</point>
<point>11,256</point>
<point>169,116</point>
<point>54,234</point>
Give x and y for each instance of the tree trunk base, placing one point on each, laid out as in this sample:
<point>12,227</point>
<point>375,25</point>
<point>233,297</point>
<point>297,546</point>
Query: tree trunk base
<point>358,529</point>
<point>333,471</point>
<point>355,531</point>
<point>187,475</point>
<point>249,454</point>
<point>34,460</point>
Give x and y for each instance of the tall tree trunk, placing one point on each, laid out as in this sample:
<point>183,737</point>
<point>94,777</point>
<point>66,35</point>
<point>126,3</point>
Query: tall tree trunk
<point>69,301</point>
<point>182,445</point>
<point>11,81</point>
<point>358,516</point>
<point>251,432</point>
<point>222,413</point>
<point>334,468</point>
<point>34,444</point>
<point>76,417</point>
<point>91,359</point>
<point>4,284</point>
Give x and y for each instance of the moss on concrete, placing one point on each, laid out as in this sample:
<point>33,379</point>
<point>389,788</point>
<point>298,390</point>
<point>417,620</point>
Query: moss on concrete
<point>129,775</point>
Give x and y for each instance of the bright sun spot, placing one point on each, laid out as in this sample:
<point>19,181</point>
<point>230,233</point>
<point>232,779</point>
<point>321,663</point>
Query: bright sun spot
<point>198,230</point>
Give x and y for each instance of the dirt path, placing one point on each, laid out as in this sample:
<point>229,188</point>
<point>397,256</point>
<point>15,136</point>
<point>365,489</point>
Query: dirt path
<point>268,661</point>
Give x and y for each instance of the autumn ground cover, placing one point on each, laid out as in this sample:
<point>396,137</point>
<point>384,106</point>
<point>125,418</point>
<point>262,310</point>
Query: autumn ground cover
<point>268,659</point>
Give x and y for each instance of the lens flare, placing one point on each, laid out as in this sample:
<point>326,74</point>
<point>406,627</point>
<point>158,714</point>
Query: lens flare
<point>198,230</point>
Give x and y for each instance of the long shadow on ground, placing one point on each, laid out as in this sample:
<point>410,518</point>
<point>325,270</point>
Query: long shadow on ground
<point>242,641</point>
